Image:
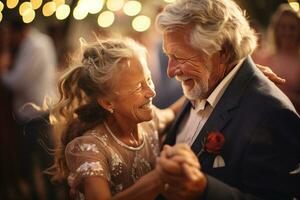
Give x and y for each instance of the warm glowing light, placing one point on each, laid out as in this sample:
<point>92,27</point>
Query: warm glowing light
<point>58,2</point>
<point>95,6</point>
<point>169,1</point>
<point>49,8</point>
<point>28,16</point>
<point>141,23</point>
<point>294,5</point>
<point>132,8</point>
<point>25,7</point>
<point>36,3</point>
<point>1,16</point>
<point>106,19</point>
<point>1,6</point>
<point>62,12</point>
<point>114,5</point>
<point>80,12</point>
<point>12,3</point>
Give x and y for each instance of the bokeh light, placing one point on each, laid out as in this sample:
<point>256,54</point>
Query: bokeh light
<point>114,5</point>
<point>80,11</point>
<point>62,12</point>
<point>36,3</point>
<point>28,16</point>
<point>25,7</point>
<point>106,19</point>
<point>1,6</point>
<point>132,8</point>
<point>59,2</point>
<point>12,3</point>
<point>1,16</point>
<point>95,6</point>
<point>49,8</point>
<point>294,5</point>
<point>141,23</point>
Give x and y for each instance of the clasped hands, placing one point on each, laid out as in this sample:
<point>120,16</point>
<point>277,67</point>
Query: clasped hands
<point>180,173</point>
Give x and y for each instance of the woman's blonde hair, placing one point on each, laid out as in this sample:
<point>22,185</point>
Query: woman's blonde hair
<point>283,9</point>
<point>216,24</point>
<point>77,110</point>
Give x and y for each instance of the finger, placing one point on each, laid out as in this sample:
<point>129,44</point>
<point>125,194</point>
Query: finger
<point>276,79</point>
<point>181,150</point>
<point>187,160</point>
<point>182,153</point>
<point>169,166</point>
<point>271,75</point>
<point>191,173</point>
<point>166,146</point>
<point>172,179</point>
<point>261,67</point>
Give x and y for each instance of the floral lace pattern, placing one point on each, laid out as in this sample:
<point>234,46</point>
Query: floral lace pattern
<point>89,147</point>
<point>90,168</point>
<point>97,153</point>
<point>154,143</point>
<point>116,165</point>
<point>103,138</point>
<point>86,169</point>
<point>140,167</point>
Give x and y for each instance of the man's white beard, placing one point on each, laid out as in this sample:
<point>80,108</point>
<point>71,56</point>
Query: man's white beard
<point>199,91</point>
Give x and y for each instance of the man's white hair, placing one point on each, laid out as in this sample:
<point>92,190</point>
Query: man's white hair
<point>217,24</point>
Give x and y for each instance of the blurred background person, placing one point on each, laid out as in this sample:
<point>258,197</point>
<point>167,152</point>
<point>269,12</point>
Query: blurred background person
<point>30,79</point>
<point>284,58</point>
<point>9,137</point>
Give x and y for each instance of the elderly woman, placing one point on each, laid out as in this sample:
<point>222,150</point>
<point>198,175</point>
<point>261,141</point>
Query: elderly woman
<point>107,124</point>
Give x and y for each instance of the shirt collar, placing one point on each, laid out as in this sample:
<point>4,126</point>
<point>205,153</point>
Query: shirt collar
<point>217,93</point>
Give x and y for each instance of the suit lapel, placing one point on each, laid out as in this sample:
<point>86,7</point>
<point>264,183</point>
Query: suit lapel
<point>227,105</point>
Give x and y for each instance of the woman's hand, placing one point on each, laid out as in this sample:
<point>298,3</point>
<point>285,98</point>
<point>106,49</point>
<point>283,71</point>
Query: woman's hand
<point>270,74</point>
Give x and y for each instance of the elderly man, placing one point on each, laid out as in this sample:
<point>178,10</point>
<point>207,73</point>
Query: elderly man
<point>243,130</point>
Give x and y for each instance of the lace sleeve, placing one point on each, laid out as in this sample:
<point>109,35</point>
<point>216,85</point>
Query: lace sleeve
<point>85,157</point>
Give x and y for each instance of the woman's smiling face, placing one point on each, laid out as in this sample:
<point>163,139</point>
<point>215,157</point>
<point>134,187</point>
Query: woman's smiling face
<point>134,93</point>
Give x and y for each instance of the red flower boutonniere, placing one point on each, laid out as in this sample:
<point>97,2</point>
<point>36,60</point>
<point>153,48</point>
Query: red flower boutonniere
<point>214,142</point>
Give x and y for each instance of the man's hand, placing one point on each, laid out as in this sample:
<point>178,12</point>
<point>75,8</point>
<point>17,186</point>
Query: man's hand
<point>270,74</point>
<point>180,171</point>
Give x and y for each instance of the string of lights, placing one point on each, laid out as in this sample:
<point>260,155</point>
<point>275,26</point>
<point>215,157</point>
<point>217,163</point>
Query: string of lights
<point>105,10</point>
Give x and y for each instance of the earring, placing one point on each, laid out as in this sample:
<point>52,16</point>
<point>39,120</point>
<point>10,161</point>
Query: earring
<point>111,110</point>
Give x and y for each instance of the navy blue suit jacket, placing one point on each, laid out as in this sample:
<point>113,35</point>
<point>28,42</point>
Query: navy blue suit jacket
<point>262,140</point>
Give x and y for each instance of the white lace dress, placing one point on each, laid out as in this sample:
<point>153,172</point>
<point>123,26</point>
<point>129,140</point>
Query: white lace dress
<point>100,153</point>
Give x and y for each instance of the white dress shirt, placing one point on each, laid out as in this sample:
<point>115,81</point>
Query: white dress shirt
<point>33,75</point>
<point>192,124</point>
